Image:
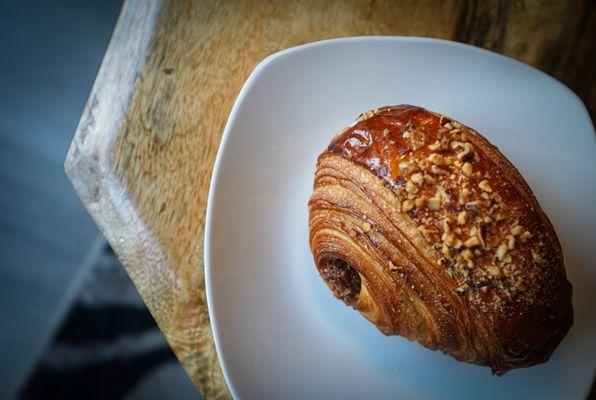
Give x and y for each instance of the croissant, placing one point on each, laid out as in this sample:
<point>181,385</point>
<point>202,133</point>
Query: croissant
<point>425,228</point>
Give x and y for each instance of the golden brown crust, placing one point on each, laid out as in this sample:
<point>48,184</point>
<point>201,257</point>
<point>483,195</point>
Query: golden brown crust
<point>449,244</point>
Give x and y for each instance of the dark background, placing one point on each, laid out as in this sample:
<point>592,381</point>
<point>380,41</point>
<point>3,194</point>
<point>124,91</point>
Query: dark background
<point>50,250</point>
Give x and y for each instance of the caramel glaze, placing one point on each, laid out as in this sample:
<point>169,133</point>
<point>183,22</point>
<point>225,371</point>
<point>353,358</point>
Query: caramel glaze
<point>488,236</point>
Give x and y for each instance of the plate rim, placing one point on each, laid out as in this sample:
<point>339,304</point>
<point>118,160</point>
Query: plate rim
<point>252,78</point>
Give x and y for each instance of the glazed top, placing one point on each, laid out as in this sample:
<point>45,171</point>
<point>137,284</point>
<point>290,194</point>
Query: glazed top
<point>472,206</point>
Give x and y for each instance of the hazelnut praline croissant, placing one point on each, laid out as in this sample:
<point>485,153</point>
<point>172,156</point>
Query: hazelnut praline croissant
<point>426,229</point>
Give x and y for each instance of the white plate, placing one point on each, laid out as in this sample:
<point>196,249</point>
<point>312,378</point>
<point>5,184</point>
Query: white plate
<point>278,330</point>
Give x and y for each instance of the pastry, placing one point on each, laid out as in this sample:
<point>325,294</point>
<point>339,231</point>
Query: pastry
<point>425,228</point>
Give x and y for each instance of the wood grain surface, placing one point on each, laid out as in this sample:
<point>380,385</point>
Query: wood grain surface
<point>142,156</point>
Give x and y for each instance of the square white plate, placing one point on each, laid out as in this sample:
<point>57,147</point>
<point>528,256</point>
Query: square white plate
<point>279,331</point>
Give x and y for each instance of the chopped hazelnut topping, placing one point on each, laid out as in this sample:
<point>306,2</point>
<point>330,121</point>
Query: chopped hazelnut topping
<point>446,226</point>
<point>453,131</point>
<point>454,144</point>
<point>368,114</point>
<point>448,126</point>
<point>429,179</point>
<point>536,257</point>
<point>392,266</point>
<point>511,242</point>
<point>366,227</point>
<point>420,201</point>
<point>463,155</point>
<point>516,230</point>
<point>467,169</point>
<point>439,171</point>
<point>436,159</point>
<point>456,124</point>
<point>467,254</point>
<point>411,187</point>
<point>525,236</point>
<point>484,185</point>
<point>463,195</point>
<point>494,271</point>
<point>407,134</point>
<point>417,145</point>
<point>407,205</point>
<point>474,205</point>
<point>501,251</point>
<point>472,242</point>
<point>433,203</point>
<point>417,178</point>
<point>445,248</point>
<point>457,244</point>
<point>462,217</point>
<point>448,238</point>
<point>385,132</point>
<point>418,139</point>
<point>434,146</point>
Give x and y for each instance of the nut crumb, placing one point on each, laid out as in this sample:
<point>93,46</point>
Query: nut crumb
<point>494,271</point>
<point>467,254</point>
<point>434,146</point>
<point>392,267</point>
<point>467,169</point>
<point>465,154</point>
<point>484,185</point>
<point>417,178</point>
<point>448,238</point>
<point>411,187</point>
<point>439,171</point>
<point>436,159</point>
<point>462,218</point>
<point>366,227</point>
<point>501,251</point>
<point>525,236</point>
<point>433,203</point>
<point>511,242</point>
<point>420,201</point>
<point>407,205</point>
<point>429,179</point>
<point>536,257</point>
<point>472,242</point>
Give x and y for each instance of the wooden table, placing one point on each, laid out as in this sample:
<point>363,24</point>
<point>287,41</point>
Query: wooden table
<point>142,156</point>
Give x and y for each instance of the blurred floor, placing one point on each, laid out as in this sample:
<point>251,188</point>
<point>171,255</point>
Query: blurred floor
<point>108,346</point>
<point>50,54</point>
